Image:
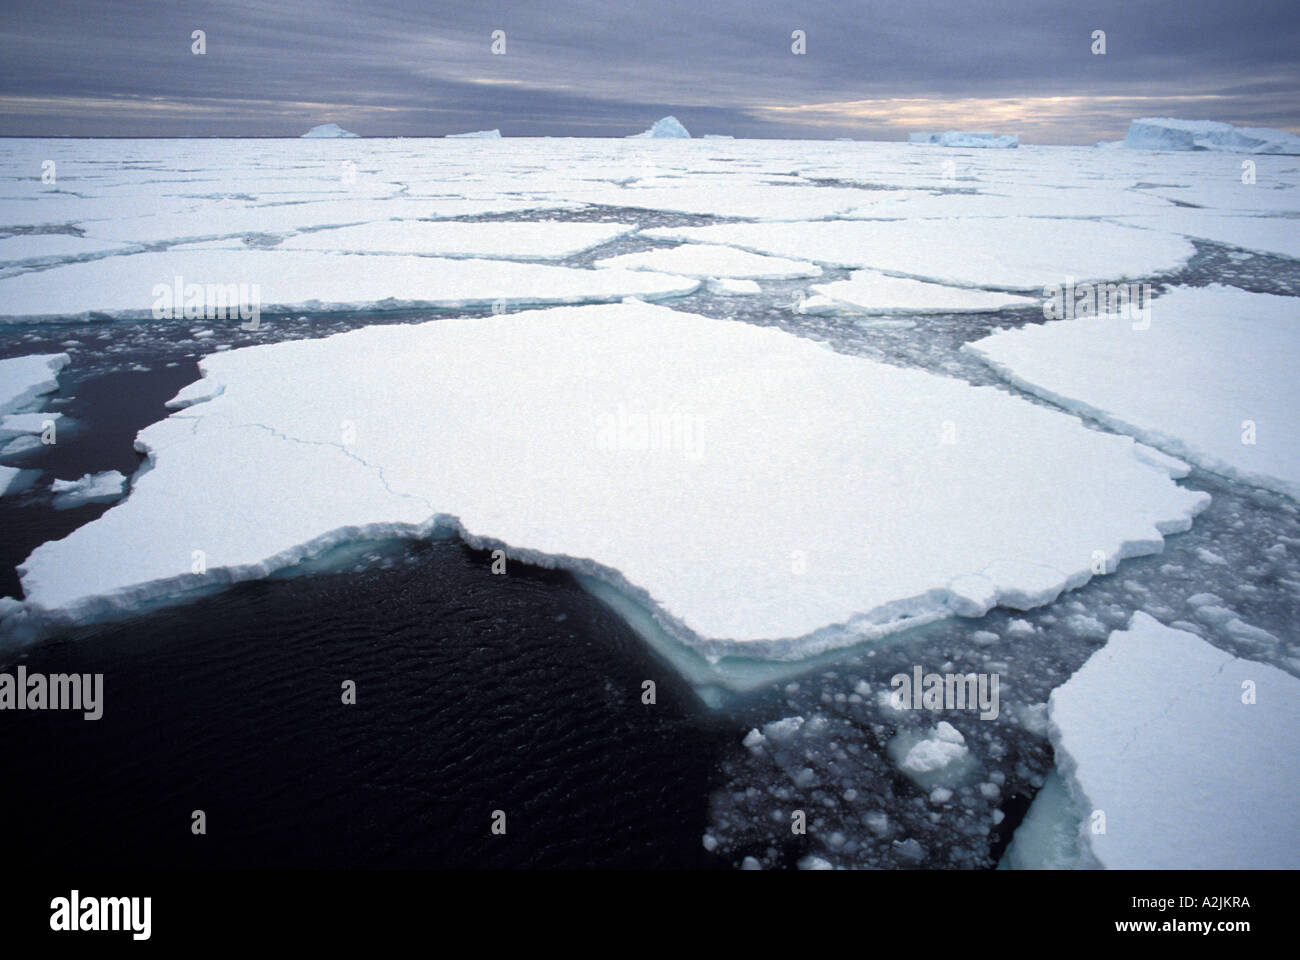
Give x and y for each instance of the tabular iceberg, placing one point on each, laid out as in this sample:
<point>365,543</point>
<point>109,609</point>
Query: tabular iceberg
<point>958,138</point>
<point>1166,133</point>
<point>475,135</point>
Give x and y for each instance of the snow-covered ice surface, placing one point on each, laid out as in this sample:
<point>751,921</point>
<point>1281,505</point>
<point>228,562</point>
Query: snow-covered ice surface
<point>911,522</point>
<point>711,260</point>
<point>869,292</point>
<point>294,280</point>
<point>1014,254</point>
<point>1212,378</point>
<point>491,239</point>
<point>1171,740</point>
<point>1233,579</point>
<point>476,135</point>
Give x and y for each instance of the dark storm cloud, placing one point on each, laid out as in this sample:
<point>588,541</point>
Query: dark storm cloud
<point>579,67</point>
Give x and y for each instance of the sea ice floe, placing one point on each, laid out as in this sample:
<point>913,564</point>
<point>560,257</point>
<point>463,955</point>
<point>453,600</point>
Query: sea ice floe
<point>297,281</point>
<point>23,379</point>
<point>712,260</point>
<point>91,488</point>
<point>1173,755</point>
<point>869,292</point>
<point>43,248</point>
<point>1273,235</point>
<point>1019,253</point>
<point>493,239</point>
<point>838,498</point>
<point>1210,378</point>
<point>16,424</point>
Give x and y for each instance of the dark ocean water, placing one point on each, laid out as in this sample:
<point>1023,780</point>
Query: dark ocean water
<point>475,693</point>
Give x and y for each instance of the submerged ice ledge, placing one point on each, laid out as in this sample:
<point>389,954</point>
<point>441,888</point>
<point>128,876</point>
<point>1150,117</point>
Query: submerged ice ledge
<point>800,500</point>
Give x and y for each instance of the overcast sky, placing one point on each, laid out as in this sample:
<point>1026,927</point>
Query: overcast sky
<point>588,68</point>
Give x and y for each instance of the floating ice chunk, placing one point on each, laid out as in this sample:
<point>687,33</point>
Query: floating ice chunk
<point>733,288</point>
<point>893,481</point>
<point>1188,752</point>
<point>23,379</point>
<point>667,127</point>
<point>750,863</point>
<point>17,424</point>
<point>869,292</point>
<point>1021,253</point>
<point>958,138</point>
<point>91,488</point>
<point>811,862</point>
<point>1166,133</point>
<point>1211,379</point>
<point>476,135</point>
<point>327,130</point>
<point>297,281</point>
<point>931,758</point>
<point>495,239</point>
<point>711,260</point>
<point>783,731</point>
<point>1048,836</point>
<point>10,480</point>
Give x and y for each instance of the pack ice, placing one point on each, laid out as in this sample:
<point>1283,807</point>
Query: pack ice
<point>1019,253</point>
<point>293,280</point>
<point>1211,379</point>
<point>1187,752</point>
<point>745,486</point>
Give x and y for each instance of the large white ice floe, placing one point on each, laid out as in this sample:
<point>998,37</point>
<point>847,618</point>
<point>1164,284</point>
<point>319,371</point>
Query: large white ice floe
<point>23,379</point>
<point>668,127</point>
<point>1013,252</point>
<point>1209,377</point>
<point>869,292</point>
<point>36,249</point>
<point>958,138</point>
<point>1273,235</point>
<point>491,239</point>
<point>747,487</point>
<point>291,280</point>
<point>1173,755</point>
<point>1167,133</point>
<point>327,130</point>
<point>712,260</point>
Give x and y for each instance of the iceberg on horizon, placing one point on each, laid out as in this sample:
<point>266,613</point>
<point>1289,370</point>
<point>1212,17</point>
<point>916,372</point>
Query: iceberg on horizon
<point>475,135</point>
<point>668,127</point>
<point>959,138</point>
<point>327,130</point>
<point>1167,133</point>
